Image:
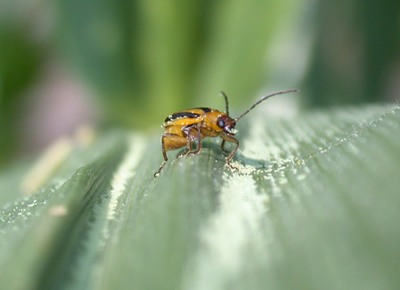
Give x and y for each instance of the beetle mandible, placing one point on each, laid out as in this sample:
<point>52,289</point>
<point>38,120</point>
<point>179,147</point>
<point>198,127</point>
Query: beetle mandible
<point>184,127</point>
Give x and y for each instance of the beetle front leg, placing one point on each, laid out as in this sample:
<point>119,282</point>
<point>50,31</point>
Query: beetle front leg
<point>222,146</point>
<point>228,159</point>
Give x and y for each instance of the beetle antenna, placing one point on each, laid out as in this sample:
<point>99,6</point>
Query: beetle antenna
<point>263,99</point>
<point>226,102</point>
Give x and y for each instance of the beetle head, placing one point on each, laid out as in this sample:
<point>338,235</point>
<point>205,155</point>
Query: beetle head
<point>227,124</point>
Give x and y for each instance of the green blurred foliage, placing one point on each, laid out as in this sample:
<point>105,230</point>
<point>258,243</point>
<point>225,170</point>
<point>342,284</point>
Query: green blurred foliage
<point>356,53</point>
<point>19,62</point>
<point>147,59</point>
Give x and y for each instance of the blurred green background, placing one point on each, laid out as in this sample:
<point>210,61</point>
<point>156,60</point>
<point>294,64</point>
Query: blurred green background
<point>129,64</point>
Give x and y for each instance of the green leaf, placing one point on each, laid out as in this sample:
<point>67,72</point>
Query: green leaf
<point>315,205</point>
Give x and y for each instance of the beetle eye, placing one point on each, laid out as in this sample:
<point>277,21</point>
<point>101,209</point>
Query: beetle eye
<point>221,123</point>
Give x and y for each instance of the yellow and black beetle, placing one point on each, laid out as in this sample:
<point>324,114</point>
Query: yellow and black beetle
<point>184,127</point>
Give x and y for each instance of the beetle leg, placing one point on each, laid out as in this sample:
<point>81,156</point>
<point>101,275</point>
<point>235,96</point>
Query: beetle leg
<point>187,131</point>
<point>165,156</point>
<point>186,152</point>
<point>199,145</point>
<point>228,159</point>
<point>222,146</point>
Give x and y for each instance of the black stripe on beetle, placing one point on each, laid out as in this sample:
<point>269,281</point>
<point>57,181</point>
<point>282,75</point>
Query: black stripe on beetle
<point>206,110</point>
<point>181,115</point>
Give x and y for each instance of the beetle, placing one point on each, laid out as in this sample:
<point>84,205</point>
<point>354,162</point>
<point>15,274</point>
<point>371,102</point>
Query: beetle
<point>185,127</point>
